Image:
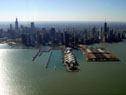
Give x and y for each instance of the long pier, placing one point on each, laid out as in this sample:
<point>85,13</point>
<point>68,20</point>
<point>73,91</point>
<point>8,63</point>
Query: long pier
<point>69,60</point>
<point>97,54</point>
<point>40,53</point>
<point>33,59</point>
<point>48,60</point>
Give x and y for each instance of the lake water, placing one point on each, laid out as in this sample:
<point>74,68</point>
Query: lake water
<point>20,76</point>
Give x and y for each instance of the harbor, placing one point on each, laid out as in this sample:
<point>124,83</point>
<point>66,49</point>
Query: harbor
<point>40,51</point>
<point>93,54</point>
<point>69,59</point>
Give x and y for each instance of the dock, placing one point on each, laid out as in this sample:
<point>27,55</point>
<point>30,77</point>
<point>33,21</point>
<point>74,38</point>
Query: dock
<point>97,54</point>
<point>48,60</point>
<point>58,48</point>
<point>40,53</point>
<point>33,59</point>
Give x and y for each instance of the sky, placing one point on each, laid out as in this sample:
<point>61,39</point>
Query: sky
<point>63,10</point>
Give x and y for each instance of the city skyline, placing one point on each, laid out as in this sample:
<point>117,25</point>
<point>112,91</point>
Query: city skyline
<point>63,10</point>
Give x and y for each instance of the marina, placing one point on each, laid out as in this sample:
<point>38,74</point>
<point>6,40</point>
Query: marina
<point>40,51</point>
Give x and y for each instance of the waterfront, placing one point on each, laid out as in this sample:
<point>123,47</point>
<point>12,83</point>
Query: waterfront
<point>19,75</point>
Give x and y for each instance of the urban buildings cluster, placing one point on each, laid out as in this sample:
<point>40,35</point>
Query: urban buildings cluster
<point>33,36</point>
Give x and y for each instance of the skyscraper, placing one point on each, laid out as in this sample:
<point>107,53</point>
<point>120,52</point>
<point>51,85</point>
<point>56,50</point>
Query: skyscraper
<point>105,27</point>
<point>11,28</point>
<point>52,34</point>
<point>105,31</point>
<point>16,24</point>
<point>67,40</point>
<point>32,26</point>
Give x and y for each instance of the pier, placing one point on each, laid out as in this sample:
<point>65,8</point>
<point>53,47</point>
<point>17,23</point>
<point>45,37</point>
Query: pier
<point>69,60</point>
<point>58,48</point>
<point>97,54</point>
<point>40,53</point>
<point>33,59</point>
<point>48,60</point>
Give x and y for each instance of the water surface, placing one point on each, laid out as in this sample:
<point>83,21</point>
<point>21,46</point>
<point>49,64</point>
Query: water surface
<point>20,76</point>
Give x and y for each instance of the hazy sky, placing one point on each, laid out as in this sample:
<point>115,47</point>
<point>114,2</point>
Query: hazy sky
<point>63,10</point>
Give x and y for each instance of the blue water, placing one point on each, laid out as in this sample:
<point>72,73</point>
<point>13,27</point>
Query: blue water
<point>19,75</point>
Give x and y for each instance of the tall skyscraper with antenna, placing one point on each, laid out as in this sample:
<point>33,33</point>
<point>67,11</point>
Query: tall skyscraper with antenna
<point>16,24</point>
<point>105,31</point>
<point>32,26</point>
<point>105,27</point>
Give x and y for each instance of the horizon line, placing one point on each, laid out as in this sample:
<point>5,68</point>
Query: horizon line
<point>63,21</point>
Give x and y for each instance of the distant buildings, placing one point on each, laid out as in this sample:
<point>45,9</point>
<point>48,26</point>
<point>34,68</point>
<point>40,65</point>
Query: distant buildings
<point>52,34</point>
<point>11,28</point>
<point>1,33</point>
<point>32,36</point>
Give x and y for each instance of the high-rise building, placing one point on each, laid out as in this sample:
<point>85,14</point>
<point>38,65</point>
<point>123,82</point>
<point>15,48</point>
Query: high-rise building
<point>32,26</point>
<point>105,27</point>
<point>11,28</point>
<point>67,40</point>
<point>16,24</point>
<point>52,33</point>
<point>1,33</point>
<point>105,31</point>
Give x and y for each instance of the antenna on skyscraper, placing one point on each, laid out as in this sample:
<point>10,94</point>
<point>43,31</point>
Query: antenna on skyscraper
<point>105,19</point>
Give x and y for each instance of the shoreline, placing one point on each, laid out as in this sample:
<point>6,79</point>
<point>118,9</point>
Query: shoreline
<point>61,47</point>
